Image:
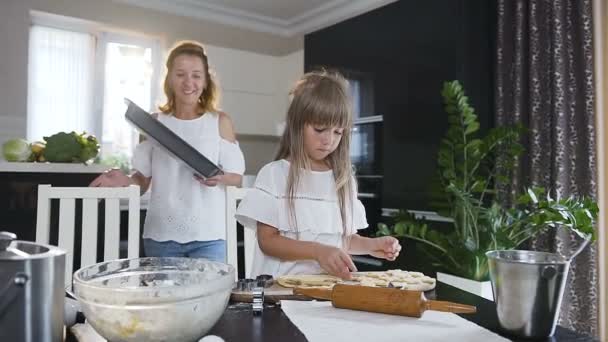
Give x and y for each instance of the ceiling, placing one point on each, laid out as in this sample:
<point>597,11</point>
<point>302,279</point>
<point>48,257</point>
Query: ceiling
<point>285,18</point>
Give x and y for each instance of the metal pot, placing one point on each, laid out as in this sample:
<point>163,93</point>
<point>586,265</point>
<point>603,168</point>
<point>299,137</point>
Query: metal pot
<point>31,291</point>
<point>528,289</point>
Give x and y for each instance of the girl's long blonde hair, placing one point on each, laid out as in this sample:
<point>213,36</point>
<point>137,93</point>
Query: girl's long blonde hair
<point>319,98</point>
<point>209,99</point>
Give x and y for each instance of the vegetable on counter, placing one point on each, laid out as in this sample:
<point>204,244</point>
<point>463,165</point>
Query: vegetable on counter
<point>70,147</point>
<point>16,150</point>
<point>61,147</point>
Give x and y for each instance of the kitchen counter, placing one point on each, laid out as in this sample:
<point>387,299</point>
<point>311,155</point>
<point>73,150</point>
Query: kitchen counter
<point>51,167</point>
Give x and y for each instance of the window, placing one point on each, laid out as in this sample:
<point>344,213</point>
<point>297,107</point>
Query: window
<point>127,72</point>
<point>60,82</point>
<point>78,78</point>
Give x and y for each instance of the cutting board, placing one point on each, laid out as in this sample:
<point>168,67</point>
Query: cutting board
<point>272,294</point>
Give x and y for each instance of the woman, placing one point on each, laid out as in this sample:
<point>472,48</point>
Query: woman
<point>185,216</point>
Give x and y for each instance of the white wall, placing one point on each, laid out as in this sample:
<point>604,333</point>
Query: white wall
<point>12,127</point>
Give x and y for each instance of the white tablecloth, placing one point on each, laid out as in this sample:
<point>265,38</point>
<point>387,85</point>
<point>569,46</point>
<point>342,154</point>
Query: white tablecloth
<point>321,322</point>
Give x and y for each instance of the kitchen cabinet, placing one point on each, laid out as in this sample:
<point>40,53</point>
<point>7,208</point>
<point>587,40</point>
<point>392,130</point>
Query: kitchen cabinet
<point>255,87</point>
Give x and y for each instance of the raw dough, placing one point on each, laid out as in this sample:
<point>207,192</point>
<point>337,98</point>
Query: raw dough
<point>405,280</point>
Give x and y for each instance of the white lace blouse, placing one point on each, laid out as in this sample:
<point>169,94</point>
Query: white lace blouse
<point>317,215</point>
<point>180,208</point>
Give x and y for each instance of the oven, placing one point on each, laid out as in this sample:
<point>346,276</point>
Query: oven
<point>366,146</point>
<point>366,156</point>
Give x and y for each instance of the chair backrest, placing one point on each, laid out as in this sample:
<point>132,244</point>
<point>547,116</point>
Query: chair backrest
<point>90,196</point>
<point>233,195</point>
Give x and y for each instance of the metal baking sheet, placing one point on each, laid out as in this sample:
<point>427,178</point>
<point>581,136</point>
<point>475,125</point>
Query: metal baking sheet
<point>169,141</point>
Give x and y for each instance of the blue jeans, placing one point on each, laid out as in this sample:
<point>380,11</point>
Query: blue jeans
<point>213,250</point>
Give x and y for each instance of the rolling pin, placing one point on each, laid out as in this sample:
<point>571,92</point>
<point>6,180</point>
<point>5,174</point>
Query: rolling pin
<point>382,300</point>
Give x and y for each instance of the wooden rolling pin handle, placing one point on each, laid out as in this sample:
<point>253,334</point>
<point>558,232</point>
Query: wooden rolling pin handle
<point>316,293</point>
<point>439,305</point>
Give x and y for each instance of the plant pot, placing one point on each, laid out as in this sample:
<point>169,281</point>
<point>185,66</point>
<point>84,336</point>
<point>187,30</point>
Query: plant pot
<point>480,288</point>
<point>528,287</point>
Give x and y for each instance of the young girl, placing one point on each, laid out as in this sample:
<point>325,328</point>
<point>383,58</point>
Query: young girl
<point>304,204</point>
<point>185,216</point>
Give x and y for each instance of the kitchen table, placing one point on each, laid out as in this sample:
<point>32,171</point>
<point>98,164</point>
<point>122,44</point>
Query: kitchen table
<point>239,324</point>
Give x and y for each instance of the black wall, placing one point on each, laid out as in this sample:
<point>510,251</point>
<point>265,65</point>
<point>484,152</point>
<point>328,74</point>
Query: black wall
<point>410,47</point>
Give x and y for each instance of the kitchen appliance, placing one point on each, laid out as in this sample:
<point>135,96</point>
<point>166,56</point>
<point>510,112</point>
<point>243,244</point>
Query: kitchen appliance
<point>528,287</point>
<point>366,156</point>
<point>366,145</point>
<point>154,299</point>
<point>170,141</point>
<point>383,300</point>
<point>31,291</point>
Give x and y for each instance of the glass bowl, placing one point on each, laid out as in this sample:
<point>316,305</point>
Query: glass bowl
<point>154,299</point>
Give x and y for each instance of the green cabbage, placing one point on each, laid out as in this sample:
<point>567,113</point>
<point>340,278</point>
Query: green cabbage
<point>16,150</point>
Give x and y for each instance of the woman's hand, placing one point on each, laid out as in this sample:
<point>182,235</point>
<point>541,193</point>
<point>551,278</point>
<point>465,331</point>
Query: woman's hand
<point>113,178</point>
<point>385,247</point>
<point>335,261</point>
<point>211,181</point>
<point>233,179</point>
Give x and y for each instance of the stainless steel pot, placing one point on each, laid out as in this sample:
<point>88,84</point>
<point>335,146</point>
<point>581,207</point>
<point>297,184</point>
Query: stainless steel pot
<point>528,288</point>
<point>31,291</point>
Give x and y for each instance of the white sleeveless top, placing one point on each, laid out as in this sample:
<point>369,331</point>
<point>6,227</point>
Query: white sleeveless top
<point>180,208</point>
<point>317,215</point>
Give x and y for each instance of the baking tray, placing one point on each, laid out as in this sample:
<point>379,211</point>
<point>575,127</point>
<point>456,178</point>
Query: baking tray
<point>169,141</point>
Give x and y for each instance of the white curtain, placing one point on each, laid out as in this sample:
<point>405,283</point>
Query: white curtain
<point>60,82</point>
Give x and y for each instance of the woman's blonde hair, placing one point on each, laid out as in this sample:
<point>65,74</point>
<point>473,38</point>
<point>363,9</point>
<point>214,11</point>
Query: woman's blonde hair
<point>319,98</point>
<point>209,99</point>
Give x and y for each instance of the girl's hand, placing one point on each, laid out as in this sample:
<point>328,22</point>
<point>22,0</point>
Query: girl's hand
<point>113,178</point>
<point>386,247</point>
<point>211,181</point>
<point>335,261</point>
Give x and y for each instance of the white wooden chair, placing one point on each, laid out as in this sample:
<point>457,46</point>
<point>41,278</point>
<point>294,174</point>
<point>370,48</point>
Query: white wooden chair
<point>233,195</point>
<point>67,201</point>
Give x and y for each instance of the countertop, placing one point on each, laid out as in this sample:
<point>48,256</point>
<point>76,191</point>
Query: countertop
<point>51,167</point>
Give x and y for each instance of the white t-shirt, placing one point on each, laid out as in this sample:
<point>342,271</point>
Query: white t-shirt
<point>317,215</point>
<point>180,208</point>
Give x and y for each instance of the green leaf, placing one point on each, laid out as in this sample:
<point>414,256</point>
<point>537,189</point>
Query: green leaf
<point>383,230</point>
<point>400,228</point>
<point>532,196</point>
<point>473,127</point>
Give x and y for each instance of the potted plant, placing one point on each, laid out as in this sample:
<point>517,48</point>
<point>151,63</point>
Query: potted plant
<point>468,174</point>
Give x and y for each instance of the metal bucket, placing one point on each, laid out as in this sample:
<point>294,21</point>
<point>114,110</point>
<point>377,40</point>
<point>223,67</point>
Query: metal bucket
<point>528,288</point>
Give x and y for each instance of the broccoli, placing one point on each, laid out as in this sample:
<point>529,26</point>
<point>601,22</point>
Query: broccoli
<point>70,147</point>
<point>62,148</point>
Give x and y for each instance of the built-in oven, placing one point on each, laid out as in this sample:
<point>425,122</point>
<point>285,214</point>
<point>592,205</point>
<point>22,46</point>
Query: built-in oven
<point>366,145</point>
<point>366,156</point>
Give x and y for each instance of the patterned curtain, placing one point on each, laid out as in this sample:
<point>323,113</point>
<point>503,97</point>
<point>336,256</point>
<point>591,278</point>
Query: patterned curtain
<point>544,80</point>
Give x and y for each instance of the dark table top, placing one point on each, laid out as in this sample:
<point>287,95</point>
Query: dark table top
<point>239,324</point>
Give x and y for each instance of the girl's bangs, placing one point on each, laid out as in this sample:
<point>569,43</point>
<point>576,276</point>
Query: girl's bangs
<point>329,111</point>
